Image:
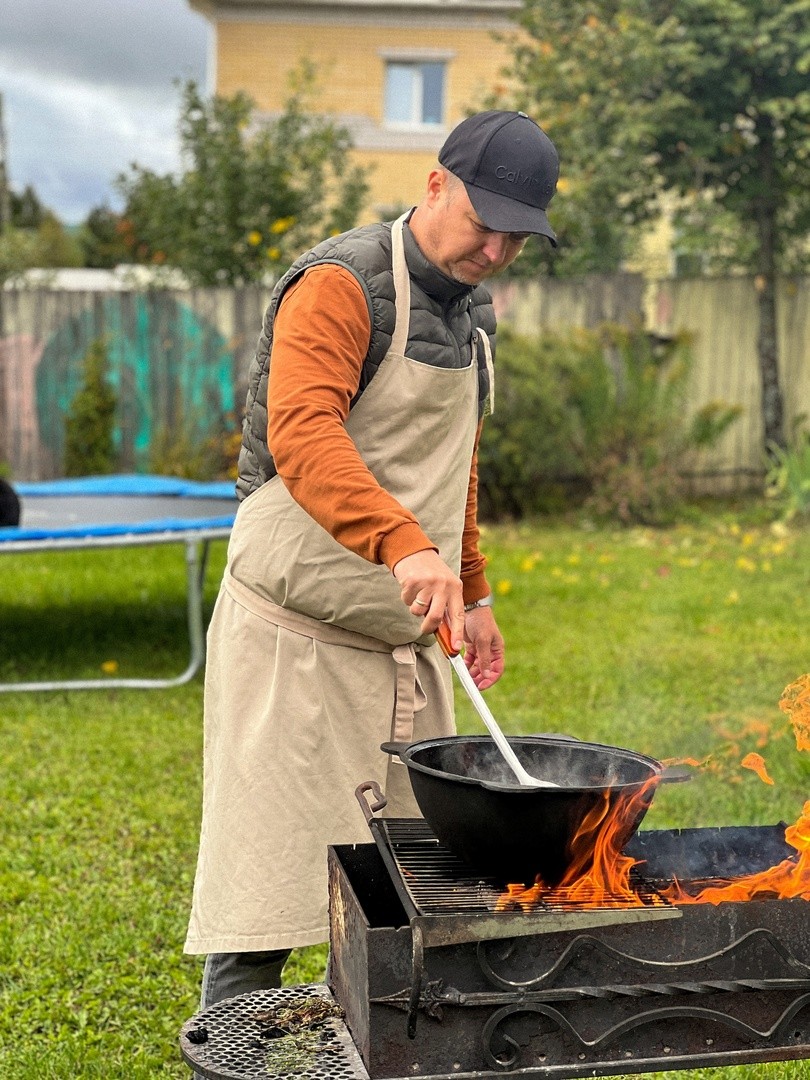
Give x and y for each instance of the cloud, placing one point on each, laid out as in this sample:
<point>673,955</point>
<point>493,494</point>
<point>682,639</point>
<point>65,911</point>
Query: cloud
<point>126,42</point>
<point>88,88</point>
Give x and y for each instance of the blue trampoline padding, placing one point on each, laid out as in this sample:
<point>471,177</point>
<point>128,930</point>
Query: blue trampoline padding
<point>158,526</point>
<point>130,484</point>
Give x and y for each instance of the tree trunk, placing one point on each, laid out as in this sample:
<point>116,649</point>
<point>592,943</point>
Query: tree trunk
<point>773,421</point>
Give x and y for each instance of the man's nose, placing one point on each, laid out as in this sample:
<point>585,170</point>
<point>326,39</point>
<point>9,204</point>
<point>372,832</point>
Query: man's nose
<point>495,246</point>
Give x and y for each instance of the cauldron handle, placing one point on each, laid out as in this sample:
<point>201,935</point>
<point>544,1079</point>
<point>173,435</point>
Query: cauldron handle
<point>379,803</point>
<point>395,749</point>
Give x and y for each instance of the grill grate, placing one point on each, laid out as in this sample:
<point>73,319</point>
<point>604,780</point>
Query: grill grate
<point>438,883</point>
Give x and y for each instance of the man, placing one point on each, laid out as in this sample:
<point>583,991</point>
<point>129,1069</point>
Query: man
<point>357,536</point>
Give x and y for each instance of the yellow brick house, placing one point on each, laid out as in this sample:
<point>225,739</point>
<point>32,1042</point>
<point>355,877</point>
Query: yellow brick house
<point>398,75</point>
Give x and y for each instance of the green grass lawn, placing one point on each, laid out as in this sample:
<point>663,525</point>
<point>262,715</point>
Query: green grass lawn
<point>676,643</point>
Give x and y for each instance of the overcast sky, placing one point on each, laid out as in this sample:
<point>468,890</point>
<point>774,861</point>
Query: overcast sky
<point>88,86</point>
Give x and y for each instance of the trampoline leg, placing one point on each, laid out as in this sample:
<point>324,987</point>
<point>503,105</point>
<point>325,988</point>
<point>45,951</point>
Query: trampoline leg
<point>196,558</point>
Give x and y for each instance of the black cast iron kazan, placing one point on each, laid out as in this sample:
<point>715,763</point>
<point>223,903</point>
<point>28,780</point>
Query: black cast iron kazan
<point>475,807</point>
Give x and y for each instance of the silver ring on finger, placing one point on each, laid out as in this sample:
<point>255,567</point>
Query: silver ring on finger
<point>422,603</point>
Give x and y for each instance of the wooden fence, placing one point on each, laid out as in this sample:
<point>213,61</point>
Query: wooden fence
<point>177,364</point>
<point>721,317</point>
<point>178,359</point>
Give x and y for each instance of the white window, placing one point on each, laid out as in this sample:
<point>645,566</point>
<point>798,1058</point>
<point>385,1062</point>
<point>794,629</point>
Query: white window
<point>414,93</point>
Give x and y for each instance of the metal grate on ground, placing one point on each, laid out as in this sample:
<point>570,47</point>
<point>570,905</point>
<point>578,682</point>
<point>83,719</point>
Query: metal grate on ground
<point>229,1040</point>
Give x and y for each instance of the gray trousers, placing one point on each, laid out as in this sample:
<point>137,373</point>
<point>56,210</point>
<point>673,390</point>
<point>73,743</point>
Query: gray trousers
<point>229,974</point>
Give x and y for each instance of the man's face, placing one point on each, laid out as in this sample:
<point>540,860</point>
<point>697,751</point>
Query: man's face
<point>455,239</point>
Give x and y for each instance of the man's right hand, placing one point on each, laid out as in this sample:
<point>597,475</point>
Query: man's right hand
<point>429,588</point>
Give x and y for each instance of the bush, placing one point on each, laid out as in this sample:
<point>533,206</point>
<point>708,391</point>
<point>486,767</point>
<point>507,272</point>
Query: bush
<point>632,433</point>
<point>596,418</point>
<point>89,424</point>
<point>788,477</point>
<point>526,464</point>
<point>181,451</point>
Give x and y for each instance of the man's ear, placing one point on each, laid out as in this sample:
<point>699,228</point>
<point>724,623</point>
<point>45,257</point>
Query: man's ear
<point>436,184</point>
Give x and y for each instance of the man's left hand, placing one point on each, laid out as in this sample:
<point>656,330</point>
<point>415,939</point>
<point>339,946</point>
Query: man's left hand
<point>484,652</point>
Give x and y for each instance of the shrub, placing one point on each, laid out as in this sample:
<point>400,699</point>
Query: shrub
<point>179,451</point>
<point>90,421</point>
<point>597,418</point>
<point>787,481</point>
<point>525,460</point>
<point>632,434</point>
<point>194,451</point>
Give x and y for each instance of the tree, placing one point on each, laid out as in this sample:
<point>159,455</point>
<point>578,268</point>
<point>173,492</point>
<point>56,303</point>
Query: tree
<point>27,212</point>
<point>101,239</point>
<point>707,99</point>
<point>252,193</point>
<point>33,237</point>
<point>89,424</point>
<point>47,246</point>
<point>56,245</point>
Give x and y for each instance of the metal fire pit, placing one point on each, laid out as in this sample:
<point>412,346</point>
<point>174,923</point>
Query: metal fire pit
<point>716,985</point>
<point>538,994</point>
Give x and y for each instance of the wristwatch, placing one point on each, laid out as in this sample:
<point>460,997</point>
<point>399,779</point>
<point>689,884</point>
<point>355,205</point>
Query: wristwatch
<point>485,601</point>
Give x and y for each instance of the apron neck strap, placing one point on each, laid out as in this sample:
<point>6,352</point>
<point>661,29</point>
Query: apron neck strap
<point>402,288</point>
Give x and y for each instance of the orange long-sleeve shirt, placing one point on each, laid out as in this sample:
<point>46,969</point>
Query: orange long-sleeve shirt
<point>320,338</point>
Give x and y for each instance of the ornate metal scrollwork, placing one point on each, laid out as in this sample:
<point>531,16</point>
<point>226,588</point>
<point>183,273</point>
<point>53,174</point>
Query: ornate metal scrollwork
<point>651,1016</point>
<point>549,976</point>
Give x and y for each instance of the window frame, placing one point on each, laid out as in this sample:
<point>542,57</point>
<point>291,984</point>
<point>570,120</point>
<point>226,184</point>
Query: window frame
<point>416,59</point>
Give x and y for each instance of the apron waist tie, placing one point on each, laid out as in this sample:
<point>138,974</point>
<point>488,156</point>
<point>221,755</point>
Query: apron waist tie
<point>409,696</point>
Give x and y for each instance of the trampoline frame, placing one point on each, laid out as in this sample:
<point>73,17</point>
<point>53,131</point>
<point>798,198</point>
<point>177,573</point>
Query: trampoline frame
<point>196,541</point>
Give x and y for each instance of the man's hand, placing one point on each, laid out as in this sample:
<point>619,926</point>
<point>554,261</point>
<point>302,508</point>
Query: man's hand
<point>484,652</point>
<point>429,588</point>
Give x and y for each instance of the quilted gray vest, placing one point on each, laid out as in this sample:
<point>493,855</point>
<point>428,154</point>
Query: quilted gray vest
<point>444,317</point>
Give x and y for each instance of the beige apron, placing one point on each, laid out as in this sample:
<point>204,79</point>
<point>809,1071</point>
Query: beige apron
<point>314,661</point>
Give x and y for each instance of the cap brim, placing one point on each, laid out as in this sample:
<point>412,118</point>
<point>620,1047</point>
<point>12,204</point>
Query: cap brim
<point>509,215</point>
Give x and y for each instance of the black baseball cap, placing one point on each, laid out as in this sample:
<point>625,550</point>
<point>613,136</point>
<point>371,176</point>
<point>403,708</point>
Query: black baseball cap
<point>509,167</point>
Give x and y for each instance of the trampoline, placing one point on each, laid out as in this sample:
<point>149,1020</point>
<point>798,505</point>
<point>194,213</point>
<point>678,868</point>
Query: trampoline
<point>121,512</point>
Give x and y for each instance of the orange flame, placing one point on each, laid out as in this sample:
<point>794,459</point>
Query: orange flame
<point>598,842</point>
<point>756,763</point>
<point>598,873</point>
<point>698,764</point>
<point>795,701</point>
<point>787,880</point>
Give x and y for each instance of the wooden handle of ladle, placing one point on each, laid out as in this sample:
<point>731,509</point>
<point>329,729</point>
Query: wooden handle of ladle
<point>444,640</point>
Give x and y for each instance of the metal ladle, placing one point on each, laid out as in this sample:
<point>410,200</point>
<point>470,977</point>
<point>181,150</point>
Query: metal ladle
<point>481,707</point>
